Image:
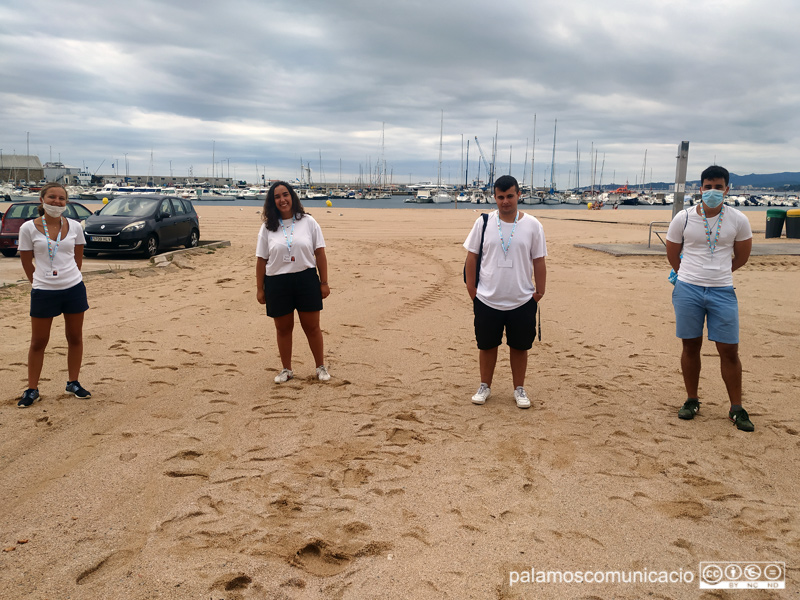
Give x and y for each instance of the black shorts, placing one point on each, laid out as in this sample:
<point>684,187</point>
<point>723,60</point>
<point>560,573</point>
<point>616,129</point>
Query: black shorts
<point>519,324</point>
<point>46,304</point>
<point>292,291</point>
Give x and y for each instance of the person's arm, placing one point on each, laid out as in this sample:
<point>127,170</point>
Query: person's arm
<point>674,255</point>
<point>322,268</point>
<point>261,269</point>
<point>470,268</point>
<point>539,277</point>
<point>26,258</point>
<point>741,253</point>
<point>79,256</point>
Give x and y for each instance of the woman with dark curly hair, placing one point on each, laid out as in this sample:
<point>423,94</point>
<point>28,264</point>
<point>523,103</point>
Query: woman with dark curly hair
<point>292,274</point>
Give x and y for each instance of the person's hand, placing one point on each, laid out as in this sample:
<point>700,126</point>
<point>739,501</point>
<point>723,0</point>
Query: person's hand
<point>325,289</point>
<point>261,297</point>
<point>538,297</point>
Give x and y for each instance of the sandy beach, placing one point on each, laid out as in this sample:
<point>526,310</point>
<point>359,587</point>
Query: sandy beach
<point>190,474</point>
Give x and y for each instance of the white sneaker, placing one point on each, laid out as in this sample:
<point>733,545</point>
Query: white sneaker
<point>284,376</point>
<point>482,395</point>
<point>322,373</point>
<point>521,398</point>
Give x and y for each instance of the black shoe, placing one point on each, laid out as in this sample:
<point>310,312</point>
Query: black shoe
<point>74,388</point>
<point>689,409</point>
<point>741,419</point>
<point>29,396</point>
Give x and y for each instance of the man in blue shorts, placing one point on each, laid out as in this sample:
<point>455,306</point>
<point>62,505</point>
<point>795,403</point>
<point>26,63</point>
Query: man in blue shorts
<point>505,297</point>
<point>705,244</point>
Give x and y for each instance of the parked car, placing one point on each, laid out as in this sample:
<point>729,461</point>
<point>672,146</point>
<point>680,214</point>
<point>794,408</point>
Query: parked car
<point>142,224</point>
<point>19,212</point>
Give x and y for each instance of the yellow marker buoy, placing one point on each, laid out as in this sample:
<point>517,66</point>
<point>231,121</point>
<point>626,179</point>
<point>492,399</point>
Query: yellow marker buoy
<point>105,200</point>
<point>328,203</point>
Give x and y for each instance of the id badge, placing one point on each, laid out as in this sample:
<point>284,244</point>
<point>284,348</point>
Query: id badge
<point>51,274</point>
<point>288,259</point>
<point>504,263</point>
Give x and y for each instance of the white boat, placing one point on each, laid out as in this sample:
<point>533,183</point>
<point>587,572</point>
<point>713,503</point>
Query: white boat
<point>442,197</point>
<point>423,196</point>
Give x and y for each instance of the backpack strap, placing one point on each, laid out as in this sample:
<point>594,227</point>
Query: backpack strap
<point>480,252</point>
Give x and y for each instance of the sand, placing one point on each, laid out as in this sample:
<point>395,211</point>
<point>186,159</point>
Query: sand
<point>190,474</point>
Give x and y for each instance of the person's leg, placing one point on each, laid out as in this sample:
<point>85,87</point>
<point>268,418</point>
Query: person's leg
<point>519,365</point>
<point>284,326</point>
<point>310,323</point>
<point>690,365</point>
<point>520,334</point>
<point>731,368</point>
<point>487,359</point>
<point>73,327</point>
<point>40,335</point>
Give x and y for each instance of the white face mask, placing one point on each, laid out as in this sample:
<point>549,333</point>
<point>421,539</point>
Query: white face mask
<point>53,211</point>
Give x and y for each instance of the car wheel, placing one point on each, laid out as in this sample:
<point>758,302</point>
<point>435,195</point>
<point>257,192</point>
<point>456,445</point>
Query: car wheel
<point>151,246</point>
<point>194,237</point>
<point>9,252</point>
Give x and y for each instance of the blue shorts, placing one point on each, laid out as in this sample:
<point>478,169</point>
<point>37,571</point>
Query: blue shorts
<point>694,304</point>
<point>46,304</point>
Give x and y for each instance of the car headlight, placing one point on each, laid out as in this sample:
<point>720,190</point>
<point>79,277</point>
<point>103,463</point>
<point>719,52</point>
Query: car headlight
<point>138,225</point>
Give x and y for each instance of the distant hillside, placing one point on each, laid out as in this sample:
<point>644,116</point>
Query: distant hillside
<point>758,181</point>
<point>770,180</point>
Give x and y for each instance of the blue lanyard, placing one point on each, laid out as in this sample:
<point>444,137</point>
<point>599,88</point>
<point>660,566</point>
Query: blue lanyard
<point>712,245</point>
<point>289,237</point>
<point>52,250</point>
<point>511,237</point>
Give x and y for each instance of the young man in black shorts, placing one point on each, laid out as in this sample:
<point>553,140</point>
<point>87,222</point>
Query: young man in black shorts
<point>511,282</point>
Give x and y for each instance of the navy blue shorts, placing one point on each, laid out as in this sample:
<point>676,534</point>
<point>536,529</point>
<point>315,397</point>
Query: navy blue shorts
<point>519,324</point>
<point>46,304</point>
<point>292,291</point>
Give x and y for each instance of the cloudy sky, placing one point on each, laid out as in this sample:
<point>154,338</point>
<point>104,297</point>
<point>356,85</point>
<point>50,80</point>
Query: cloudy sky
<point>262,84</point>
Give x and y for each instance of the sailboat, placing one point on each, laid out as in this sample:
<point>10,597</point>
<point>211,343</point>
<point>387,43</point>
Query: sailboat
<point>441,196</point>
<point>551,197</point>
<point>532,197</point>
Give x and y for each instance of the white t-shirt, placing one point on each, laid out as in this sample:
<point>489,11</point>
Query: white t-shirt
<point>698,265</point>
<point>273,246</point>
<point>506,288</point>
<point>67,272</point>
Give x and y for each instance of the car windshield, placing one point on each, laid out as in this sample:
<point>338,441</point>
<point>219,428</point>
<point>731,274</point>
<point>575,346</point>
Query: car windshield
<point>130,207</point>
<point>23,211</point>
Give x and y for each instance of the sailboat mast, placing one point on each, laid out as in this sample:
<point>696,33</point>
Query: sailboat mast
<point>553,162</point>
<point>441,132</point>
<point>533,152</point>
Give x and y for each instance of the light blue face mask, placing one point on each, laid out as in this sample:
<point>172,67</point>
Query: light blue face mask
<point>713,198</point>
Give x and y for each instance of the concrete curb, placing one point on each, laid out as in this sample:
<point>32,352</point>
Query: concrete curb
<point>168,256</point>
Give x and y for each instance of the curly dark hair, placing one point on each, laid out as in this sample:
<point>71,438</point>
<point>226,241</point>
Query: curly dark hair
<point>270,215</point>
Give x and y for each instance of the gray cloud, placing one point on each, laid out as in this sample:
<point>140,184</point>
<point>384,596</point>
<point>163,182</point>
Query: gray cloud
<point>271,82</point>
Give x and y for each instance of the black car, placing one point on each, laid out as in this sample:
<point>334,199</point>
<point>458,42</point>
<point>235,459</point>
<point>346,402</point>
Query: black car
<point>143,224</point>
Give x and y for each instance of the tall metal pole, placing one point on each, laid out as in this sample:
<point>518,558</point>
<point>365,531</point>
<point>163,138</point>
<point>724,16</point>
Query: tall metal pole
<point>680,178</point>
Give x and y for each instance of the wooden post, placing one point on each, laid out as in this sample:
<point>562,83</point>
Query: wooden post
<point>680,178</point>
